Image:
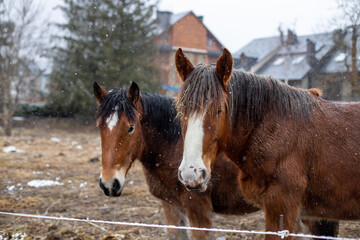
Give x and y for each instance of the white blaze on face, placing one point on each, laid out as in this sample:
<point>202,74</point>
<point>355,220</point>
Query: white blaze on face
<point>192,162</point>
<point>112,120</point>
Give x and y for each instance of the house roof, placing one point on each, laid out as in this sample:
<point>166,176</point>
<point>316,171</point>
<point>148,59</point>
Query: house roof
<point>290,60</point>
<point>336,62</point>
<point>259,48</point>
<point>291,63</point>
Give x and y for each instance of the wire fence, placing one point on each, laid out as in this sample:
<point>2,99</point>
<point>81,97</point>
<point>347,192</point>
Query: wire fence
<point>281,234</point>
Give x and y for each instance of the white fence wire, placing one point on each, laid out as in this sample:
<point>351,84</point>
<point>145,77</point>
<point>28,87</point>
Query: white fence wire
<point>281,234</point>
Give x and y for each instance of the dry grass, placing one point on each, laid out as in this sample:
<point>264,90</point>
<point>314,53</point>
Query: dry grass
<point>45,159</point>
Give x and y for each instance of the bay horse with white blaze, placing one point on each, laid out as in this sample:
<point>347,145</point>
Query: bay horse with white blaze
<point>144,126</point>
<point>298,153</point>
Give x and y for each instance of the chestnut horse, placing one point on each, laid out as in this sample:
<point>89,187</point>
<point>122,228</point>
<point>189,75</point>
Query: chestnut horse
<point>144,126</point>
<point>298,153</point>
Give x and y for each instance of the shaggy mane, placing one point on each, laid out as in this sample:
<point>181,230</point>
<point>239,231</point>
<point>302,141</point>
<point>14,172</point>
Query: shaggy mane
<point>250,96</point>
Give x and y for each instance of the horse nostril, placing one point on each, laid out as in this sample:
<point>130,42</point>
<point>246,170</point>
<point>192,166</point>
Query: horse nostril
<point>115,186</point>
<point>179,176</point>
<point>102,186</point>
<point>203,173</point>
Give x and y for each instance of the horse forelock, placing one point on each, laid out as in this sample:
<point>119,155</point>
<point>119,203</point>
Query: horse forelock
<point>201,92</point>
<point>117,100</point>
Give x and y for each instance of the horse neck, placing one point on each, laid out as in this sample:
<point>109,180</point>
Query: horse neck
<point>258,102</point>
<point>158,142</point>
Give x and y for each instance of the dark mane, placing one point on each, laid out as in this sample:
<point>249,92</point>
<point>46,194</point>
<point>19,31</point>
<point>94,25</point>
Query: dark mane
<point>250,96</point>
<point>116,99</point>
<point>159,112</point>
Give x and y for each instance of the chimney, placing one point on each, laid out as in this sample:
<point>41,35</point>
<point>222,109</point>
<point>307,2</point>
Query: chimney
<point>243,60</point>
<point>291,38</point>
<point>337,36</point>
<point>281,36</point>
<point>163,18</point>
<point>201,18</point>
<point>310,53</point>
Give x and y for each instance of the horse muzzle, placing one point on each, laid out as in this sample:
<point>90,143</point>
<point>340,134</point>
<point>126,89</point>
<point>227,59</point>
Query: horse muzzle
<point>112,189</point>
<point>194,183</point>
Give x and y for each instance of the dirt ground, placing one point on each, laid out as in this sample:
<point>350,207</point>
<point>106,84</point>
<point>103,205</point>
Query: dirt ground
<point>68,152</point>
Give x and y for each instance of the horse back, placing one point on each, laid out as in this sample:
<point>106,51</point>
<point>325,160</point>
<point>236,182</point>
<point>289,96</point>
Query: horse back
<point>333,157</point>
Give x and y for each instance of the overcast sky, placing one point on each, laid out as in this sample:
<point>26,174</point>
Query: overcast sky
<point>236,22</point>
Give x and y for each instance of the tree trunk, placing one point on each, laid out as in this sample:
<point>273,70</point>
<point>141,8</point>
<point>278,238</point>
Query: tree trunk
<point>8,127</point>
<point>354,70</point>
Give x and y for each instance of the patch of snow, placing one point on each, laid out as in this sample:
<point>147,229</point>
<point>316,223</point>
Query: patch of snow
<point>221,238</point>
<point>18,118</point>
<point>79,147</point>
<point>18,236</point>
<point>55,139</point>
<point>43,183</point>
<point>279,61</point>
<point>131,182</point>
<point>104,207</point>
<point>11,189</point>
<point>82,185</point>
<point>12,149</point>
<point>118,235</point>
<point>37,172</point>
<point>340,57</point>
<point>69,181</point>
<point>298,60</point>
<point>47,165</point>
<point>74,143</point>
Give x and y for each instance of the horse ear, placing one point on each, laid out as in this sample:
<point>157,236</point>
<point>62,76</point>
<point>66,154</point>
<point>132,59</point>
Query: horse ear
<point>183,65</point>
<point>134,92</point>
<point>224,66</point>
<point>99,92</point>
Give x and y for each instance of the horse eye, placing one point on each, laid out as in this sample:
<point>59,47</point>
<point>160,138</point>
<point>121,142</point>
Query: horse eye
<point>219,111</point>
<point>131,129</point>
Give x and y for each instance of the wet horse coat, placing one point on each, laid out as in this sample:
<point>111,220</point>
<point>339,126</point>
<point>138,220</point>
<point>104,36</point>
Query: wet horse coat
<point>297,152</point>
<point>144,127</point>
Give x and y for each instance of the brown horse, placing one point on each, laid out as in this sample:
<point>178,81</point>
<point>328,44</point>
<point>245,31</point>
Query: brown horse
<point>297,152</point>
<point>144,127</point>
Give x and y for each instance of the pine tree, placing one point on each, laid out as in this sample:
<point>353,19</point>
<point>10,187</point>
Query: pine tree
<point>108,41</point>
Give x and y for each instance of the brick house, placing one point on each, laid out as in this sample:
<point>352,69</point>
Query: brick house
<point>185,30</point>
<point>317,60</point>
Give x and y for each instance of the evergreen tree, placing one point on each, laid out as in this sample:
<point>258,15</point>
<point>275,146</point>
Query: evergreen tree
<point>108,41</point>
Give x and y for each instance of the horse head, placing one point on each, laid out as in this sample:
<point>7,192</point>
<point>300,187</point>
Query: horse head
<point>118,123</point>
<point>202,105</point>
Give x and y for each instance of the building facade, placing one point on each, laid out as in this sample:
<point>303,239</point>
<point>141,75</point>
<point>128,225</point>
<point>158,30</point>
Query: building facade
<point>185,30</point>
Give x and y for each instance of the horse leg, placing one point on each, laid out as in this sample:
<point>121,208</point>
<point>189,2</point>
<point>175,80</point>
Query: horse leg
<point>175,216</point>
<point>198,210</point>
<point>282,201</point>
<point>279,216</point>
